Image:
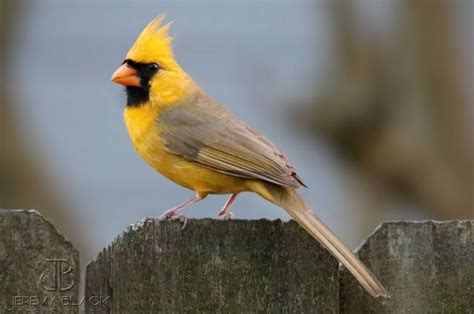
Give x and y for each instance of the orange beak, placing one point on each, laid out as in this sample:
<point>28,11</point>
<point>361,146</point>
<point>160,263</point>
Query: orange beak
<point>126,76</point>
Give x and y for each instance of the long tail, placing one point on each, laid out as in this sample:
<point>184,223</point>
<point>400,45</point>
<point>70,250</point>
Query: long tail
<point>293,203</point>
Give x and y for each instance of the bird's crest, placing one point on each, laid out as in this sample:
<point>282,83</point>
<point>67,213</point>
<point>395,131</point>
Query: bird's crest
<point>153,44</point>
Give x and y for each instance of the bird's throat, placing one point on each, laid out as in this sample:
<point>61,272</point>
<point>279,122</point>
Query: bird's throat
<point>137,96</point>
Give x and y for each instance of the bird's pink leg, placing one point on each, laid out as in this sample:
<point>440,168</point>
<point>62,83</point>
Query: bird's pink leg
<point>175,212</point>
<point>225,213</point>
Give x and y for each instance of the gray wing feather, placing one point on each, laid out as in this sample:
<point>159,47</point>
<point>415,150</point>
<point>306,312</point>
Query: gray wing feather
<point>201,130</point>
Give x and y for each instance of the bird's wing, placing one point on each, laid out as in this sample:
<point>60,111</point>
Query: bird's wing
<point>203,131</point>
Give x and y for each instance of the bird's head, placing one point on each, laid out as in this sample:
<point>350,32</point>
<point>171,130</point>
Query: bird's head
<point>149,72</point>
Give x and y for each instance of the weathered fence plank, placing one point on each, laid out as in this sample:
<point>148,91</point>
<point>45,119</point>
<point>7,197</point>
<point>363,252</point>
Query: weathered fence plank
<point>39,269</point>
<point>215,266</point>
<point>427,266</point>
<point>234,266</point>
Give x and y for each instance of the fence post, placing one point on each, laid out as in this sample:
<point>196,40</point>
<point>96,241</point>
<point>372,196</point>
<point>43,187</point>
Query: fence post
<point>427,266</point>
<point>39,269</point>
<point>236,266</point>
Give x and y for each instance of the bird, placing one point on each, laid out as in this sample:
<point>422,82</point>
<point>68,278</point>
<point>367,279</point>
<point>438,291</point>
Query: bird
<point>196,142</point>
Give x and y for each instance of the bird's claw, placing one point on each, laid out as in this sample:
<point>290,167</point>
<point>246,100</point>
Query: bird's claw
<point>175,215</point>
<point>225,215</point>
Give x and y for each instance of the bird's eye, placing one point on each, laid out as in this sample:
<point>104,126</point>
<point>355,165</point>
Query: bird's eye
<point>153,67</point>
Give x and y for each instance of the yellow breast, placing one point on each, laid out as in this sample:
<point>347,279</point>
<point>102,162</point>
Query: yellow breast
<point>144,132</point>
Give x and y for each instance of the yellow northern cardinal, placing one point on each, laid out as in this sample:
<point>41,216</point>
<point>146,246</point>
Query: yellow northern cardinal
<point>196,142</point>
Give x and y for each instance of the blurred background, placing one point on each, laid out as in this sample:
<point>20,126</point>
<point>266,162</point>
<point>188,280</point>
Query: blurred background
<point>372,101</point>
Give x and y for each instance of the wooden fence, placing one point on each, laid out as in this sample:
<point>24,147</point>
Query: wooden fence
<point>235,266</point>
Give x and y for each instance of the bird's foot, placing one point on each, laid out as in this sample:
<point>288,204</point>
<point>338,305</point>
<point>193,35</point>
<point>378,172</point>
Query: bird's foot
<point>174,214</point>
<point>225,215</point>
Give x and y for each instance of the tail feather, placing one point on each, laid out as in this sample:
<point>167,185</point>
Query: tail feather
<point>294,204</point>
